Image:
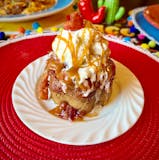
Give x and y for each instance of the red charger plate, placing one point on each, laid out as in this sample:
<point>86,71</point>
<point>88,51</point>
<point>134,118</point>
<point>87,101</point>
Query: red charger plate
<point>18,142</point>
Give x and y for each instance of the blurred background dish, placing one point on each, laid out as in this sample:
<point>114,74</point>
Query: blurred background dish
<point>58,7</point>
<point>14,7</point>
<point>144,26</point>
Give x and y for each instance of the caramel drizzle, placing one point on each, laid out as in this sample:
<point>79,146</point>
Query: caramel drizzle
<point>76,59</point>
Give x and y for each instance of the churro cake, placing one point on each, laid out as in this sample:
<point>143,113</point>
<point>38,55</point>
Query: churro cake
<point>79,73</point>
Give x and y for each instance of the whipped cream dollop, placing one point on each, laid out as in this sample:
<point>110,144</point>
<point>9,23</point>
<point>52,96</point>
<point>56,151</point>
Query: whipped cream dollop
<point>82,43</point>
<point>85,51</point>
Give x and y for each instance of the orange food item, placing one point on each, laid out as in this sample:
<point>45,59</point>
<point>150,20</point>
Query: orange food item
<point>151,14</point>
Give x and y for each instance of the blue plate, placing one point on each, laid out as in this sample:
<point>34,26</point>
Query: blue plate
<point>144,26</point>
<point>59,6</point>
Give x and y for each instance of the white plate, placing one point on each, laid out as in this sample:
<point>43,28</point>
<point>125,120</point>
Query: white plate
<point>59,6</point>
<point>121,113</point>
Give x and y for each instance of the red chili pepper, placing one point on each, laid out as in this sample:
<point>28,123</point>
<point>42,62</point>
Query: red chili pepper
<point>87,11</point>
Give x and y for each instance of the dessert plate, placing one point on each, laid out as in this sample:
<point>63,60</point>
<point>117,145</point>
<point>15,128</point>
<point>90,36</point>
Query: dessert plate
<point>59,6</point>
<point>119,115</point>
<point>144,26</point>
